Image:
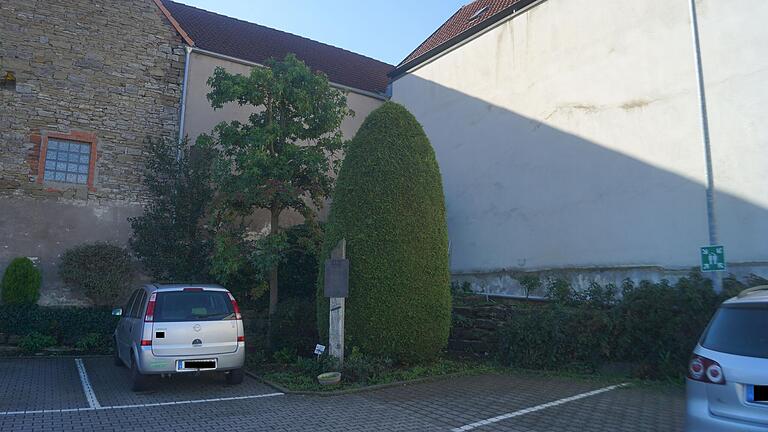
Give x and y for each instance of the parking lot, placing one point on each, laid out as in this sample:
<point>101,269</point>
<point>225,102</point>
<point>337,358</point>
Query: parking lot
<point>66,394</point>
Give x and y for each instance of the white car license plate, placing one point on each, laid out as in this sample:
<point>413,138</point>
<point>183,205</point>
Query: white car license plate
<point>195,365</point>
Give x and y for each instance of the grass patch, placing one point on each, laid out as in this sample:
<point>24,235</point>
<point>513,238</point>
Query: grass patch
<point>297,377</point>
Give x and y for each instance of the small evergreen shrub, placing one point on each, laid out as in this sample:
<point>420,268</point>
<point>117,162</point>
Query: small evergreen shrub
<point>388,204</point>
<point>293,329</point>
<point>104,271</point>
<point>21,282</point>
<point>169,238</point>
<point>297,274</point>
<point>36,342</point>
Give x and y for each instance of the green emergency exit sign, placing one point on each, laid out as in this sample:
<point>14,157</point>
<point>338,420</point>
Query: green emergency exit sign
<point>712,258</point>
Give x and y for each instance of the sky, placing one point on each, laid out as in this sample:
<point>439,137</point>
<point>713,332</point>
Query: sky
<point>384,30</point>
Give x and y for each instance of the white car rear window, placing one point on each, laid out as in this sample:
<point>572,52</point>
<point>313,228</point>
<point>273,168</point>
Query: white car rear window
<point>175,306</point>
<point>739,329</point>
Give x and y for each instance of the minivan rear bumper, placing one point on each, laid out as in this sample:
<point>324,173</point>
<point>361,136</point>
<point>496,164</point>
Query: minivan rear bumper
<point>150,364</point>
<point>698,418</point>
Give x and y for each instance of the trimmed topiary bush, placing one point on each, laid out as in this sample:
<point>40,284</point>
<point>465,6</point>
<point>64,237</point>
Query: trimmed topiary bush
<point>21,282</point>
<point>389,206</point>
<point>104,271</point>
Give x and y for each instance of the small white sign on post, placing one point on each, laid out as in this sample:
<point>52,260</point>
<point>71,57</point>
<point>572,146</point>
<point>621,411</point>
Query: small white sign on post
<point>319,349</point>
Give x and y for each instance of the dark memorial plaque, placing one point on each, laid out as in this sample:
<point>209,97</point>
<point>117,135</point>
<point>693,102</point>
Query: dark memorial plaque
<point>336,278</point>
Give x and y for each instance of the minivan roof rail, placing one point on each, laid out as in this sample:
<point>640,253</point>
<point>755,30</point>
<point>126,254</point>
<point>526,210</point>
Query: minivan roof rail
<point>749,291</point>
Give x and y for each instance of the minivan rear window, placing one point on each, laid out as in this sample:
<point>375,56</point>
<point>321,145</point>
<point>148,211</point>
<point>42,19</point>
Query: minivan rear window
<point>175,306</point>
<point>740,330</point>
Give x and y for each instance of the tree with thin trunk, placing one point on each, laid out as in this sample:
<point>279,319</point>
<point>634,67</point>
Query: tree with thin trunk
<point>284,157</point>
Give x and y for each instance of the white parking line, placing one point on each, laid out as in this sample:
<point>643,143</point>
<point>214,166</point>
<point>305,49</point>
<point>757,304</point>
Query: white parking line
<point>104,408</point>
<point>497,419</point>
<point>90,396</point>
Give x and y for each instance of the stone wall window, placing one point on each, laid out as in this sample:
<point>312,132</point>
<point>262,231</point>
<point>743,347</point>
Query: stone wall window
<point>68,158</point>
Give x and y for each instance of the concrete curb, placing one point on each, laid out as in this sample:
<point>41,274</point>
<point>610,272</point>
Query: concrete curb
<point>356,389</point>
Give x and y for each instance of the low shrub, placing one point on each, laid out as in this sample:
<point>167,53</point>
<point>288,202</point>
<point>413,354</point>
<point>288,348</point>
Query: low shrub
<point>104,271</point>
<point>95,343</point>
<point>659,324</point>
<point>21,282</point>
<point>556,337</point>
<point>314,366</point>
<point>651,325</point>
<point>362,368</point>
<point>36,342</point>
<point>67,325</point>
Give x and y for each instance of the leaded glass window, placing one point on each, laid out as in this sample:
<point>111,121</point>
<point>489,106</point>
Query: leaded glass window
<point>67,161</point>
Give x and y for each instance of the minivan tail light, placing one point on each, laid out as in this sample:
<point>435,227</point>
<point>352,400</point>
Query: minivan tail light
<point>241,338</point>
<point>705,370</point>
<point>193,290</point>
<point>146,342</point>
<point>150,315</point>
<point>235,307</point>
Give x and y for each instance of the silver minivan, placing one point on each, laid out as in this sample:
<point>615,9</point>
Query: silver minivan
<point>727,384</point>
<point>180,328</point>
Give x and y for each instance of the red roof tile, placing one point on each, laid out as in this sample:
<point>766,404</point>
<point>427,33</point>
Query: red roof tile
<point>255,43</point>
<point>463,21</point>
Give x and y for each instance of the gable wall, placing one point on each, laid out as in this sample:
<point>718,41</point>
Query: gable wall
<point>110,71</point>
<point>569,138</point>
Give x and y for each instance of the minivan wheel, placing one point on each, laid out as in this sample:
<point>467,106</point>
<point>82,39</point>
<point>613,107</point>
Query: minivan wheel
<point>116,355</point>
<point>138,380</point>
<point>235,376</point>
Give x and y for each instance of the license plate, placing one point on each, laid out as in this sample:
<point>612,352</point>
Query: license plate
<point>757,393</point>
<point>195,365</point>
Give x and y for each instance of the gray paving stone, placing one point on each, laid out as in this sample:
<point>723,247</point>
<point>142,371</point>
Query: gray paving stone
<point>45,383</point>
<point>112,386</point>
<point>436,406</point>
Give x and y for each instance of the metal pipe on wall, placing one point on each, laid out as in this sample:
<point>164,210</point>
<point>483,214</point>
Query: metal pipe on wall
<point>717,278</point>
<point>183,112</point>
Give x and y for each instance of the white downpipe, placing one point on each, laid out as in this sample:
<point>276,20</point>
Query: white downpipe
<point>182,114</point>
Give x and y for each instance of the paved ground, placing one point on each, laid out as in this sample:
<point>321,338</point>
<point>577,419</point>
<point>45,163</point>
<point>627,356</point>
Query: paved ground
<point>51,395</point>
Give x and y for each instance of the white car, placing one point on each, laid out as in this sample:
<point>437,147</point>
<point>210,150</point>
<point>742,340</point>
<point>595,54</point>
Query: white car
<point>727,384</point>
<point>169,329</point>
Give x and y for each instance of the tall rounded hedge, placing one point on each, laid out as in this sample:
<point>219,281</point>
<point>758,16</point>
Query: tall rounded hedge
<point>388,204</point>
<point>21,282</point>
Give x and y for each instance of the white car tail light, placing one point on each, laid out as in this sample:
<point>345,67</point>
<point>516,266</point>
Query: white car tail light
<point>150,315</point>
<point>705,370</point>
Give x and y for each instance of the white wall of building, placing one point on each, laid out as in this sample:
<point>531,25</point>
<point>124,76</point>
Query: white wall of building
<point>201,118</point>
<point>569,136</point>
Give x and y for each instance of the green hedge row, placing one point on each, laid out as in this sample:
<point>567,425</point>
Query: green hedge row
<point>68,325</point>
<point>653,326</point>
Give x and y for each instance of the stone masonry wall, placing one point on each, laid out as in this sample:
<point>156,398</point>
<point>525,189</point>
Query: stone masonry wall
<point>112,68</point>
<point>110,71</point>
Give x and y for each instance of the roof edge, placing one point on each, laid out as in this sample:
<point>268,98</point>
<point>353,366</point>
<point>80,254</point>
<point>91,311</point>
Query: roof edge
<point>244,62</point>
<point>510,11</point>
<point>175,24</point>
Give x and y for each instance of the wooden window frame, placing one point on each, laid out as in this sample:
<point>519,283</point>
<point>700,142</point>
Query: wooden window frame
<point>77,136</point>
